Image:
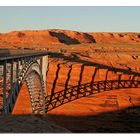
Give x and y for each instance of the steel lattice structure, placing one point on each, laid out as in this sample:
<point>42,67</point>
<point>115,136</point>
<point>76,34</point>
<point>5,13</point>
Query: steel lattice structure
<point>15,69</point>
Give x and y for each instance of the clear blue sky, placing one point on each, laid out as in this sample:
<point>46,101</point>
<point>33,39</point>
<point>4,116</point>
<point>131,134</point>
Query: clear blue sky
<point>91,19</point>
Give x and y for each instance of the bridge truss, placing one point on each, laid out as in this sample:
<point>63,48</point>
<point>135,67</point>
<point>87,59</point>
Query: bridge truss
<point>19,68</point>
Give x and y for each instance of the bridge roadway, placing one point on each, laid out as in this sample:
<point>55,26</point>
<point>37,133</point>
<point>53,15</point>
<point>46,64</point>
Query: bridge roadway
<point>6,54</point>
<point>18,53</point>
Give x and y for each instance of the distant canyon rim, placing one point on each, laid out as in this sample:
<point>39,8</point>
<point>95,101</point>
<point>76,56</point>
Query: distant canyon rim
<point>42,39</point>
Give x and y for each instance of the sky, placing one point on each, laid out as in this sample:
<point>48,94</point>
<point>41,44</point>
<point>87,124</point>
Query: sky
<point>86,19</point>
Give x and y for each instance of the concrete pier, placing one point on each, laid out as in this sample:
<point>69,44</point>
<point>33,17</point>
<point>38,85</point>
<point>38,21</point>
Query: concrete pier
<point>44,67</point>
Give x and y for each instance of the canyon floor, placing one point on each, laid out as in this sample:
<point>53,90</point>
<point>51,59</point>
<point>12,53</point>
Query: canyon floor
<point>95,87</point>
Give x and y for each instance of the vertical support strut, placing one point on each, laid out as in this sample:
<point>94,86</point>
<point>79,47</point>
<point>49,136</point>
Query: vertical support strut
<point>4,87</point>
<point>11,78</point>
<point>12,99</point>
<point>17,69</point>
<point>44,66</point>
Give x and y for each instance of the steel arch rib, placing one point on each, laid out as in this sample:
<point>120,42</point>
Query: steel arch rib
<point>30,69</point>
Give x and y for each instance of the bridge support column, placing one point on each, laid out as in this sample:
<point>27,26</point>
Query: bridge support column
<point>44,67</point>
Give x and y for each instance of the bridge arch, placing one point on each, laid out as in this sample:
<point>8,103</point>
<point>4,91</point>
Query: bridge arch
<point>31,75</point>
<point>34,81</point>
<point>23,67</point>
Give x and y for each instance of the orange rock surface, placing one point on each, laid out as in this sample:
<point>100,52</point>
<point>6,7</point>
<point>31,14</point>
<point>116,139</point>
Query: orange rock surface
<point>45,38</point>
<point>85,58</point>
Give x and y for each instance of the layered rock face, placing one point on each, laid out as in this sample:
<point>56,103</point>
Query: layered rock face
<point>44,38</point>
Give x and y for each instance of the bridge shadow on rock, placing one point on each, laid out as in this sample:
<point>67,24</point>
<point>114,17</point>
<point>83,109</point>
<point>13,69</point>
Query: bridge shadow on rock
<point>77,59</point>
<point>123,79</point>
<point>32,124</point>
<point>83,90</point>
<point>121,121</point>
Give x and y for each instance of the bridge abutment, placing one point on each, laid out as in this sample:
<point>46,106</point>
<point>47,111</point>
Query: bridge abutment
<point>43,62</point>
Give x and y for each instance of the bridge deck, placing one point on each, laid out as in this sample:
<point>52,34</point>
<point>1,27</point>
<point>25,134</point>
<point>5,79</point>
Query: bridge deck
<point>6,54</point>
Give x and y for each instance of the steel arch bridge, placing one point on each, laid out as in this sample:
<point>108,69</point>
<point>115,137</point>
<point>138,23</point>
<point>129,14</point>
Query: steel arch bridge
<point>18,67</point>
<point>30,67</point>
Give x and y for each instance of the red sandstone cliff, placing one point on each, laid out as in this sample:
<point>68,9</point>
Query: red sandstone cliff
<point>44,38</point>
